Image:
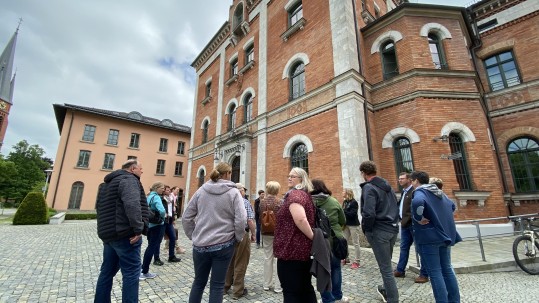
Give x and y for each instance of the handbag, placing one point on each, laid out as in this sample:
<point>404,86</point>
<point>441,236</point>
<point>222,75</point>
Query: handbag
<point>339,247</point>
<point>155,216</point>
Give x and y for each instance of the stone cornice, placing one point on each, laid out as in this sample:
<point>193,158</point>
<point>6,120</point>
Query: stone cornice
<point>222,34</point>
<point>418,72</point>
<point>425,94</point>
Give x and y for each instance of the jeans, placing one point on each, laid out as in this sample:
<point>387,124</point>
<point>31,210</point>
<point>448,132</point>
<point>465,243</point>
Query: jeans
<point>155,234</point>
<point>382,243</point>
<point>407,239</point>
<point>217,262</point>
<point>336,282</point>
<point>437,260</point>
<point>258,232</point>
<point>295,279</point>
<point>171,233</point>
<point>119,254</point>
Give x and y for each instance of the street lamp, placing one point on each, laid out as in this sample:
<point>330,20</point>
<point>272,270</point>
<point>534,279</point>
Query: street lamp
<point>48,173</point>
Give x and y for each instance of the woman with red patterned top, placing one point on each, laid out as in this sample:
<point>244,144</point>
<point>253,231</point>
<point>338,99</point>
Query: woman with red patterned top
<point>293,239</point>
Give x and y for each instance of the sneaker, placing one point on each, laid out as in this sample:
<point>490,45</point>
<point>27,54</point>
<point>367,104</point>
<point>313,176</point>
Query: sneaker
<point>147,275</point>
<point>421,279</point>
<point>343,299</point>
<point>174,259</point>
<point>398,274</point>
<point>382,293</point>
<point>158,262</point>
<point>355,265</point>
<point>278,290</point>
<point>266,288</point>
<point>180,250</point>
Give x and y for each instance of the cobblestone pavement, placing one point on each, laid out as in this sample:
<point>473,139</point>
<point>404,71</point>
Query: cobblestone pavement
<point>60,263</point>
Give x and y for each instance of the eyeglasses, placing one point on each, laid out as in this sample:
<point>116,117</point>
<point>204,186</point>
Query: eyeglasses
<point>292,177</point>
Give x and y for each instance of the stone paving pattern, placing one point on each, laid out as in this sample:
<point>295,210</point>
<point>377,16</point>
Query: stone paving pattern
<point>60,263</point>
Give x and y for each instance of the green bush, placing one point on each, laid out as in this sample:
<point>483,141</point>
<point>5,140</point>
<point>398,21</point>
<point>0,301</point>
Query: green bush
<point>87,216</point>
<point>33,210</point>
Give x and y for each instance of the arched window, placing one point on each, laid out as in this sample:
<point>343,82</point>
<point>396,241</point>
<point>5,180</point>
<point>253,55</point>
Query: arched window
<point>300,157</point>
<point>238,16</point>
<point>460,162</point>
<point>436,52</point>
<point>248,108</point>
<point>231,117</point>
<point>403,155</point>
<point>389,60</point>
<point>201,176</point>
<point>76,195</point>
<point>523,156</point>
<point>297,80</point>
<point>205,131</point>
<point>235,177</point>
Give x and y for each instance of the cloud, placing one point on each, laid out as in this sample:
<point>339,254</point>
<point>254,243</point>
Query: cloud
<point>116,55</point>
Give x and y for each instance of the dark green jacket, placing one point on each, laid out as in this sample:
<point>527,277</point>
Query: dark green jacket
<point>334,212</point>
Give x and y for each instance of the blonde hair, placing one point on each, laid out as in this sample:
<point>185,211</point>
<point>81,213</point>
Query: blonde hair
<point>220,170</point>
<point>273,188</point>
<point>157,185</point>
<point>306,183</point>
<point>348,194</point>
<point>437,181</point>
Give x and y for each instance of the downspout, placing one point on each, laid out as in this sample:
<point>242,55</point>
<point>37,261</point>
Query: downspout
<point>360,70</point>
<point>477,43</point>
<point>62,162</point>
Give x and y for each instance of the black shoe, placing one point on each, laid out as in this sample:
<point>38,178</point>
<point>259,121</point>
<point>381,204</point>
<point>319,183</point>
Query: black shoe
<point>242,295</point>
<point>174,259</point>
<point>158,262</point>
<point>382,293</point>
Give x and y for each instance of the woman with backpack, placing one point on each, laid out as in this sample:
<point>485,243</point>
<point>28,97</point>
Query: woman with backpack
<point>269,207</point>
<point>322,199</point>
<point>294,238</point>
<point>155,230</point>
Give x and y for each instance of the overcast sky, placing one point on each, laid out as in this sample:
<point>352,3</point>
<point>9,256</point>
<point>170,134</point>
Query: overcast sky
<point>123,55</point>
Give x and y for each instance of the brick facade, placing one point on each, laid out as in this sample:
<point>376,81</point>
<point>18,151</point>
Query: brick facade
<point>421,103</point>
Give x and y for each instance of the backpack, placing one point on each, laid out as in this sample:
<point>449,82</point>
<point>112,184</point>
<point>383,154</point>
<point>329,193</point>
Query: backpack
<point>267,222</point>
<point>321,221</point>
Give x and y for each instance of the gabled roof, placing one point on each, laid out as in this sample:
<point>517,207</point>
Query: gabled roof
<point>134,117</point>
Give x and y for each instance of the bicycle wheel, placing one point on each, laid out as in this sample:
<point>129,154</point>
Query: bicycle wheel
<point>526,258</point>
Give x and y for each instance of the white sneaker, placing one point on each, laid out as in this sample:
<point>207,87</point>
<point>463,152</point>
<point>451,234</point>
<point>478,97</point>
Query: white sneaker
<point>343,299</point>
<point>266,288</point>
<point>278,290</point>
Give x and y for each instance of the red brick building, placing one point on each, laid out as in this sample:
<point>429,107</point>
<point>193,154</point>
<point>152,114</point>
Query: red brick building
<point>325,85</point>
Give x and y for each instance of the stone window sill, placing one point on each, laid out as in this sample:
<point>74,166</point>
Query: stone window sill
<point>518,197</point>
<point>206,100</point>
<point>293,29</point>
<point>464,196</point>
<point>232,79</point>
<point>247,67</point>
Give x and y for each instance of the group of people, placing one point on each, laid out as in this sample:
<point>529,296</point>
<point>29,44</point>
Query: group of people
<point>222,225</point>
<point>426,216</point>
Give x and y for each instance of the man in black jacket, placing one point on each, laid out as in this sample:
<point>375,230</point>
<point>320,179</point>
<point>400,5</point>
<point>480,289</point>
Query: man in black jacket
<point>257,216</point>
<point>122,218</point>
<point>380,218</point>
<point>407,237</point>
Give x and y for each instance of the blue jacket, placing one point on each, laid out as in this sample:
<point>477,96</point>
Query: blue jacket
<point>431,203</point>
<point>155,204</point>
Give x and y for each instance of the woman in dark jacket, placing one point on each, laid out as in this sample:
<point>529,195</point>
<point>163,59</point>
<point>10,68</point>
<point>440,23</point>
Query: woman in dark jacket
<point>351,230</point>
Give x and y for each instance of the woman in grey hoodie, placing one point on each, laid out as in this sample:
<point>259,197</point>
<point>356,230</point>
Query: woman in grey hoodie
<point>214,220</point>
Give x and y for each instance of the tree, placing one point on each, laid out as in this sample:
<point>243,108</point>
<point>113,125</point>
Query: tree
<point>8,178</point>
<point>30,165</point>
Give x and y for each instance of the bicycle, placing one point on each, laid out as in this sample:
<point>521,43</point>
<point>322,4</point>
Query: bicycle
<point>526,247</point>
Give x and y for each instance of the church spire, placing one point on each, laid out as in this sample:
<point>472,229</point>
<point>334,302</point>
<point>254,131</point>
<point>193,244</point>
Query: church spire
<point>6,68</point>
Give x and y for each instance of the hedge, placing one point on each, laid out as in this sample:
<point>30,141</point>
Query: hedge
<point>33,210</point>
<point>89,216</point>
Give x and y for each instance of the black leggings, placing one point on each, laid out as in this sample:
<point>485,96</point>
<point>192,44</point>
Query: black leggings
<point>295,279</point>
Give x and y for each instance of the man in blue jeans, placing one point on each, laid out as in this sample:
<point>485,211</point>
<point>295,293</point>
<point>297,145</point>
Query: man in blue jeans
<point>435,232</point>
<point>122,218</point>
<point>380,218</point>
<point>407,237</point>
